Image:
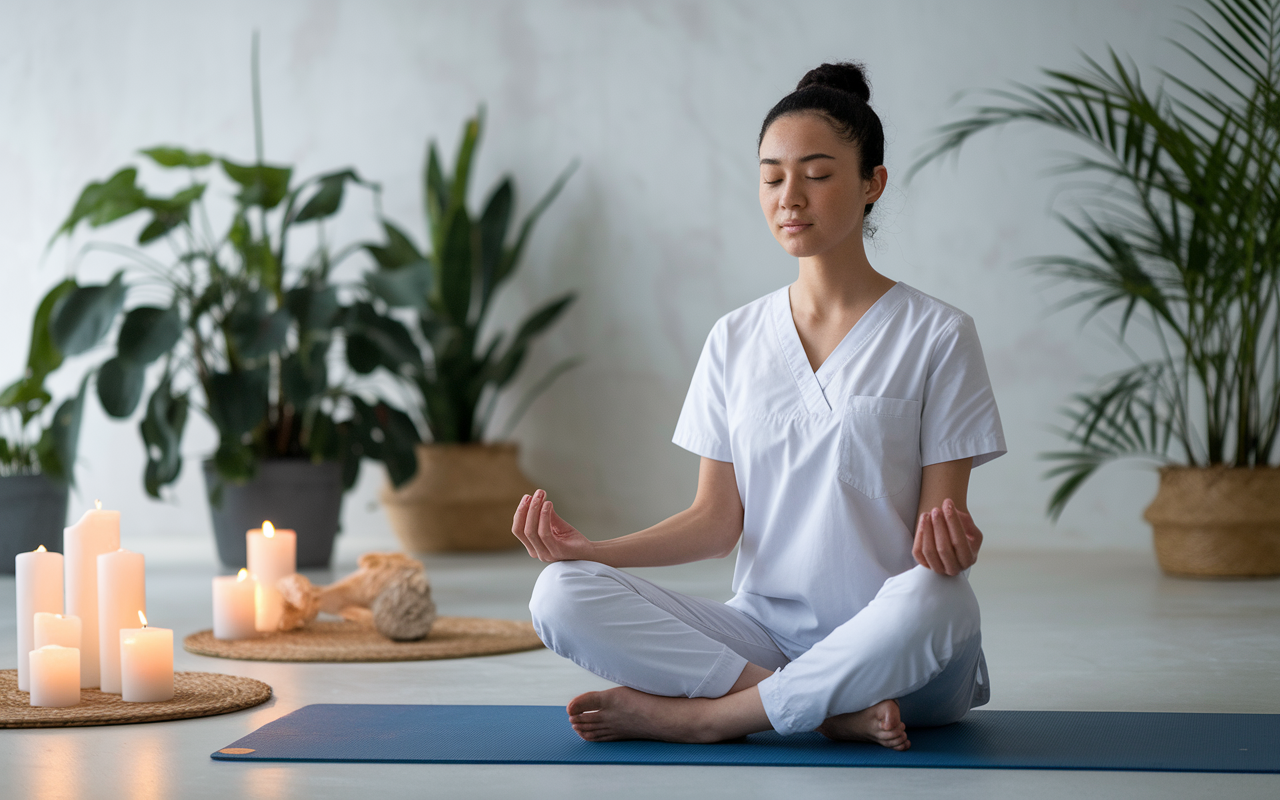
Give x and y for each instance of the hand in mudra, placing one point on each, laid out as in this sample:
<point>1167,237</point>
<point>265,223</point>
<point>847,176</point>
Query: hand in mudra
<point>947,540</point>
<point>544,534</point>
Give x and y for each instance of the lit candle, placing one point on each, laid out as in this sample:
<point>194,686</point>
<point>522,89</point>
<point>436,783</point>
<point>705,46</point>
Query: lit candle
<point>96,533</point>
<point>272,556</point>
<point>146,663</point>
<point>55,676</point>
<point>57,629</point>
<point>233,606</point>
<point>122,593</point>
<point>39,579</point>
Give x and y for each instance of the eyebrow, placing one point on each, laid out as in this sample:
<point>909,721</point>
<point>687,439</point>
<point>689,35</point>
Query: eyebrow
<point>810,157</point>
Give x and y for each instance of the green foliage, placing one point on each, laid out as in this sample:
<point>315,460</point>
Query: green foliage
<point>244,335</point>
<point>1185,236</point>
<point>449,288</point>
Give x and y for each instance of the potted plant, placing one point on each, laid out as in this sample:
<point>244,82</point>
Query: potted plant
<point>243,331</point>
<point>1183,236</point>
<point>37,446</point>
<point>468,478</point>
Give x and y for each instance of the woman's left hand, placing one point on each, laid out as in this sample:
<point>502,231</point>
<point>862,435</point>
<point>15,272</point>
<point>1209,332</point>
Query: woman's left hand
<point>947,541</point>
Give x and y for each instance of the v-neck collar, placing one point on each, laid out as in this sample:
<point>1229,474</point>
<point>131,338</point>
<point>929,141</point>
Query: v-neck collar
<point>812,385</point>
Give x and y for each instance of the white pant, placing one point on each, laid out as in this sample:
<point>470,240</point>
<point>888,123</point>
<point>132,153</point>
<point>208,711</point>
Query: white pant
<point>918,642</point>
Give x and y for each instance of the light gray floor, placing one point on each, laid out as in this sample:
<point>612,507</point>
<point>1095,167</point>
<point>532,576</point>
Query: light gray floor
<point>1082,631</point>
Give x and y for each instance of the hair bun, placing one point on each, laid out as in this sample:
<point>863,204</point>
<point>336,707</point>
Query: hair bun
<point>846,76</point>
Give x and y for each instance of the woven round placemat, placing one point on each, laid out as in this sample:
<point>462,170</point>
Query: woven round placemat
<point>195,694</point>
<point>451,637</point>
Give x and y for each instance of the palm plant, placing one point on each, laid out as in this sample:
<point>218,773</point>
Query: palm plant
<point>1180,225</point>
<point>449,289</point>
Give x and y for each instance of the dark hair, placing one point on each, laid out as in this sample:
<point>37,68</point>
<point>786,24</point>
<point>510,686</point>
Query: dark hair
<point>840,93</point>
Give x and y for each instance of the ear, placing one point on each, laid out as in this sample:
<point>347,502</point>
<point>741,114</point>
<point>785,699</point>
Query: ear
<point>876,183</point>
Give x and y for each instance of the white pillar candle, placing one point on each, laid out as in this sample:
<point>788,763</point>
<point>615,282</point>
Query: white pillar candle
<point>55,676</point>
<point>146,663</point>
<point>272,556</point>
<point>96,533</point>
<point>56,629</point>
<point>234,606</point>
<point>122,593</point>
<point>39,584</point>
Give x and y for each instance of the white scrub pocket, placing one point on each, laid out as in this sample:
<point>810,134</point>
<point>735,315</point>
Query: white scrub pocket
<point>879,444</point>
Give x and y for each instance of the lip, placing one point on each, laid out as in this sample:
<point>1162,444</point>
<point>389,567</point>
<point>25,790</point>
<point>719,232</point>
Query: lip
<point>794,226</point>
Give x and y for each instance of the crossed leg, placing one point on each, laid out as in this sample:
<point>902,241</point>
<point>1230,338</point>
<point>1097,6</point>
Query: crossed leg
<point>692,669</point>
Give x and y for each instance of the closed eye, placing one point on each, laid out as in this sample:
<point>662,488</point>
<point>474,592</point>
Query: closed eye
<point>818,177</point>
<point>773,183</point>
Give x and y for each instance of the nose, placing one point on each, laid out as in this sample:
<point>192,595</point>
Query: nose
<point>791,195</point>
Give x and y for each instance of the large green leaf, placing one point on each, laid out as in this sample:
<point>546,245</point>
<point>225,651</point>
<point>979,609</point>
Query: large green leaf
<point>260,184</point>
<point>328,196</point>
<point>168,213</point>
<point>120,384</point>
<point>405,287</point>
<point>506,367</point>
<point>100,203</point>
<point>399,250</point>
<point>238,401</point>
<point>148,333</point>
<point>28,393</point>
<point>304,380</point>
<point>177,157</point>
<point>466,154</point>
<point>398,448</point>
<point>162,429</point>
<point>456,267</point>
<point>314,306</point>
<point>256,331</point>
<point>435,195</point>
<point>60,442</point>
<point>83,316</point>
<point>375,340</point>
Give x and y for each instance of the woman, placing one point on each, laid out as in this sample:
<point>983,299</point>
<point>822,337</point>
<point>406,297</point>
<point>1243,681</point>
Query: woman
<point>832,416</point>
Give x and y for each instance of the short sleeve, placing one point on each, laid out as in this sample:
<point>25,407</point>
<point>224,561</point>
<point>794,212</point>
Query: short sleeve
<point>703,427</point>
<point>959,418</point>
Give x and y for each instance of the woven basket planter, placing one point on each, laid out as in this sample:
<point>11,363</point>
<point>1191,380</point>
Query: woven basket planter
<point>461,500</point>
<point>1217,522</point>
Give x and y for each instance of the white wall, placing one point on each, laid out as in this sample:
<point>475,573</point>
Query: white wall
<point>659,232</point>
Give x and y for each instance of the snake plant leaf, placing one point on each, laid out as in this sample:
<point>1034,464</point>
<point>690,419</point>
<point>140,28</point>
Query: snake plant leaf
<point>405,287</point>
<point>261,185</point>
<point>374,339</point>
<point>456,267</point>
<point>59,443</point>
<point>494,222</point>
<point>171,157</point>
<point>238,401</point>
<point>512,256</point>
<point>436,194</point>
<point>106,201</point>
<point>120,383</point>
<point>82,316</point>
<point>148,333</point>
<point>508,365</point>
<point>462,164</point>
<point>168,213</point>
<point>399,250</point>
<point>255,331</point>
<point>162,427</point>
<point>328,197</point>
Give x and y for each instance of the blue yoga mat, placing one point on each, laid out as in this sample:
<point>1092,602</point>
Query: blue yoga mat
<point>982,740</point>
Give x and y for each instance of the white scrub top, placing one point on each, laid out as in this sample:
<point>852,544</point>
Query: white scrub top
<point>828,462</point>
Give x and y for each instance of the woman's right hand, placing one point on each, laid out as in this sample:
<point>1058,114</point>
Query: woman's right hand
<point>545,535</point>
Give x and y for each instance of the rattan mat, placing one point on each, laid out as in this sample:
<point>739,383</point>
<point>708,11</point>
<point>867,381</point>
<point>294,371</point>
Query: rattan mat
<point>195,694</point>
<point>451,637</point>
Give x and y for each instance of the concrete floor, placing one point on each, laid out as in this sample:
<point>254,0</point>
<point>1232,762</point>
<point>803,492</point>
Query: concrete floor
<point>1070,631</point>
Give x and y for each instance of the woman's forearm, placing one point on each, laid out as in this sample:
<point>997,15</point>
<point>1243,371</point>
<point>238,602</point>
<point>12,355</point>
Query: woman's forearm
<point>694,534</point>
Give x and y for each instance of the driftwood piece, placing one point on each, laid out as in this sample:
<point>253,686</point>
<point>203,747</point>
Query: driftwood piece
<point>406,613</point>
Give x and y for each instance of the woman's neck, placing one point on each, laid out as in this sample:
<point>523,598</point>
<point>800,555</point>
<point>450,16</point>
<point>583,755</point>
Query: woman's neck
<point>837,283</point>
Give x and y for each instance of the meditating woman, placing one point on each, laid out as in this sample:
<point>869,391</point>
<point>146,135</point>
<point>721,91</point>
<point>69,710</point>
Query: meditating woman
<point>834,417</point>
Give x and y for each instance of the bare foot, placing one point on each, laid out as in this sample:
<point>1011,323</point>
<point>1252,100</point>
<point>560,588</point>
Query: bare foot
<point>624,713</point>
<point>881,724</point>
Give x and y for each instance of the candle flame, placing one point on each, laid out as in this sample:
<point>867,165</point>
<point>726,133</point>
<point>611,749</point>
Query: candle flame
<point>97,504</point>
<point>241,575</point>
<point>143,617</point>
<point>41,549</point>
<point>268,530</point>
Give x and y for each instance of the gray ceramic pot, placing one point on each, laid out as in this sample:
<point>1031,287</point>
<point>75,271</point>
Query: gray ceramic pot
<point>33,512</point>
<point>291,493</point>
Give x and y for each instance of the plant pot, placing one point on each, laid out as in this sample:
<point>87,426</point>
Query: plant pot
<point>1217,522</point>
<point>34,509</point>
<point>291,493</point>
<point>461,500</point>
